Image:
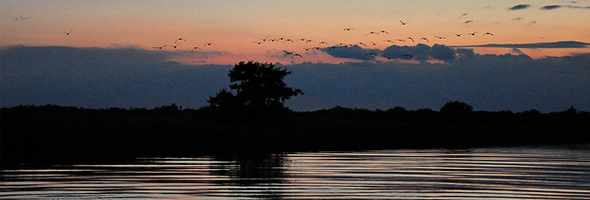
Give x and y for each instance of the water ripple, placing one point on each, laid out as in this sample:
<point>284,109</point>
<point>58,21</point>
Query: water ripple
<point>493,173</point>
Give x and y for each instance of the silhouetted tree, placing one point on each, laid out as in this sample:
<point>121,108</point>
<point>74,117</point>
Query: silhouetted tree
<point>172,108</point>
<point>397,109</point>
<point>572,110</point>
<point>224,99</point>
<point>257,86</point>
<point>456,107</point>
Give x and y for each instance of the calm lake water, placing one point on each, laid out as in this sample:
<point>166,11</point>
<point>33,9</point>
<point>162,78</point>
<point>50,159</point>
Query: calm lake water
<point>486,173</point>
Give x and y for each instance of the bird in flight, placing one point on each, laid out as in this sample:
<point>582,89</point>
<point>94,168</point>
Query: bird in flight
<point>388,58</point>
<point>440,37</point>
<point>208,44</point>
<point>20,18</point>
<point>383,31</point>
<point>180,39</point>
<point>160,47</point>
<point>67,32</point>
<point>297,55</point>
<point>426,39</point>
<point>362,43</point>
<point>348,29</point>
<point>196,48</point>
<point>307,49</point>
<point>372,32</point>
<point>322,42</point>
<point>306,40</point>
<point>410,38</point>
<point>473,33</point>
<point>390,41</point>
<point>458,34</point>
<point>176,43</point>
<point>403,23</point>
<point>488,33</point>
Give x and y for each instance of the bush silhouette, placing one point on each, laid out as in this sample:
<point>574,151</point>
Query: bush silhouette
<point>456,108</point>
<point>257,86</point>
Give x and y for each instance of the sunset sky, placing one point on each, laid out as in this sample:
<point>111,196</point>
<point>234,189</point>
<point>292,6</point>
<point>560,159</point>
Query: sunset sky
<point>545,31</point>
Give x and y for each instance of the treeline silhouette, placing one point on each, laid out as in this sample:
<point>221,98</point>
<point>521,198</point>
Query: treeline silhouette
<point>54,134</point>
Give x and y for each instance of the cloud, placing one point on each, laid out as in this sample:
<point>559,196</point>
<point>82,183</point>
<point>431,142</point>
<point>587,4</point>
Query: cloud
<point>442,52</point>
<point>354,52</point>
<point>401,52</point>
<point>487,82</point>
<point>577,7</point>
<point>198,54</point>
<point>104,77</point>
<point>464,53</point>
<point>519,7</point>
<point>420,52</point>
<point>551,7</point>
<point>517,51</point>
<point>129,77</point>
<point>550,45</point>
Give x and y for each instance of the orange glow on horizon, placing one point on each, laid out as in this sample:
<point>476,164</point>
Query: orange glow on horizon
<point>234,29</point>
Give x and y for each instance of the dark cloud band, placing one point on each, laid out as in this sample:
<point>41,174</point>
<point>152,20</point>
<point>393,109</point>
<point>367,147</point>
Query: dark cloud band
<point>546,45</point>
<point>551,7</point>
<point>128,77</point>
<point>519,7</point>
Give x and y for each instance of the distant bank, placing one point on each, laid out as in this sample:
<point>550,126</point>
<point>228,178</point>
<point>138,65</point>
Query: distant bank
<point>56,134</point>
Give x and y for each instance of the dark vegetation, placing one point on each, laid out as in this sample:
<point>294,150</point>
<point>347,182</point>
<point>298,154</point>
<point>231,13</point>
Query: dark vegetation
<point>45,134</point>
<point>253,120</point>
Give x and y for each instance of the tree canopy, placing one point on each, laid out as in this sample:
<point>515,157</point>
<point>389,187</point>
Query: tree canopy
<point>257,86</point>
<point>456,107</point>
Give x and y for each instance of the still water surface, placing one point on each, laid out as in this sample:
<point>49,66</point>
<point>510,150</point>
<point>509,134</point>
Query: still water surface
<point>490,173</point>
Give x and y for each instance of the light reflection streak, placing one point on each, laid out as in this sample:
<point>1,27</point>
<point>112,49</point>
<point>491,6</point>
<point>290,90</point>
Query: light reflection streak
<point>390,174</point>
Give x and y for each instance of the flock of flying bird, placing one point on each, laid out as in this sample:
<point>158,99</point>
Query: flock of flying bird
<point>346,45</point>
<point>176,43</point>
<point>181,40</point>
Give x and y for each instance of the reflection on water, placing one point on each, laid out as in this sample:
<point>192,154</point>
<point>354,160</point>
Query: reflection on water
<point>494,173</point>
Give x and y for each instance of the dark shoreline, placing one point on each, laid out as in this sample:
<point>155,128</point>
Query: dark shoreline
<point>55,134</point>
